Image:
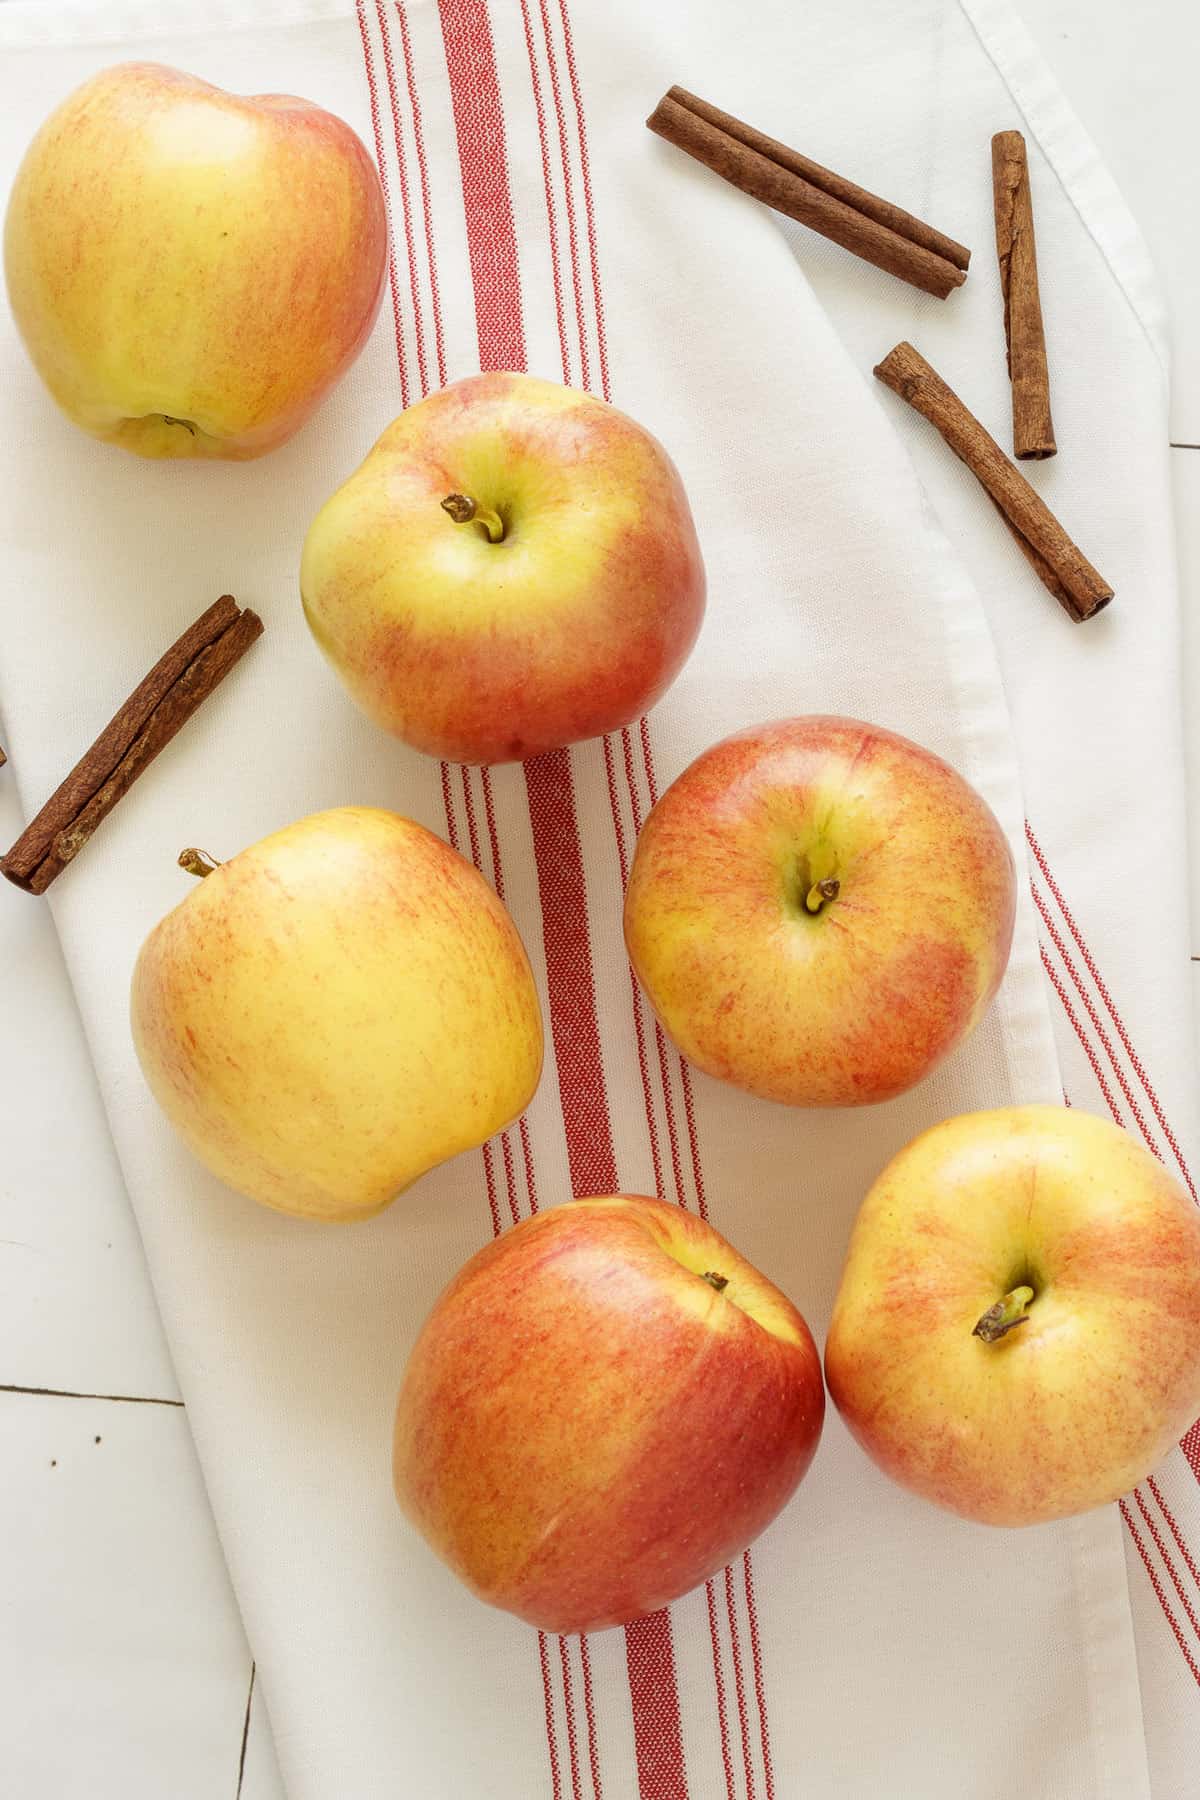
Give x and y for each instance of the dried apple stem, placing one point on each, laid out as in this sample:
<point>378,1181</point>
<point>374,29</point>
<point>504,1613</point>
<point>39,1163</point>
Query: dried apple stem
<point>465,511</point>
<point>714,1280</point>
<point>1002,1317</point>
<point>198,862</point>
<point>820,892</point>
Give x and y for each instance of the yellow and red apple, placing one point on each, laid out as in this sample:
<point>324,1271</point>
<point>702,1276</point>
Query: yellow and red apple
<point>513,568</point>
<point>1017,1332</point>
<point>335,1011</point>
<point>605,1406</point>
<point>193,270</point>
<point>819,911</point>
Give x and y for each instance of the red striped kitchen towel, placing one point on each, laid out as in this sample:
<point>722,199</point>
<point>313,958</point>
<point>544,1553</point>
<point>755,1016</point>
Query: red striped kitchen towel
<point>536,225</point>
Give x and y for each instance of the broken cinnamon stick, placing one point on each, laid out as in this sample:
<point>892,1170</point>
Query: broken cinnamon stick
<point>1061,565</point>
<point>882,234</point>
<point>158,707</point>
<point>1016,248</point>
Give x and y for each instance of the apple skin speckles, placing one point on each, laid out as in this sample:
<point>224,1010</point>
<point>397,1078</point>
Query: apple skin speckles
<point>587,1429</point>
<point>1076,1405</point>
<point>852,1002</point>
<point>572,625</point>
<point>336,1010</point>
<point>193,270</point>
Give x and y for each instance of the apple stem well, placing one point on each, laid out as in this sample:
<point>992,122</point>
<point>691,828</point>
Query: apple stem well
<point>465,511</point>
<point>1001,1318</point>
<point>198,862</point>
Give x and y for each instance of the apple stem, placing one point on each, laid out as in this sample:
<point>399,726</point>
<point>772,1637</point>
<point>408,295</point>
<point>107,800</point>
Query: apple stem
<point>463,510</point>
<point>820,892</point>
<point>198,862</point>
<point>1002,1317</point>
<point>714,1280</point>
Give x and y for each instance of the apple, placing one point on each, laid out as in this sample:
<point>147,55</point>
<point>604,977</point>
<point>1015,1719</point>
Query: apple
<point>1017,1332</point>
<point>819,911</point>
<point>193,270</point>
<point>605,1406</point>
<point>335,1011</point>
<point>513,568</point>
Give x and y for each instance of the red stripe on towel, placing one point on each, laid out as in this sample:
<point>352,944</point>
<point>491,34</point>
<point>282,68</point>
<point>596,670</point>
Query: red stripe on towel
<point>491,241</point>
<point>373,95</point>
<point>487,199</point>
<point>1114,1015</point>
<point>1157,1585</point>
<point>389,70</point>
<point>414,101</point>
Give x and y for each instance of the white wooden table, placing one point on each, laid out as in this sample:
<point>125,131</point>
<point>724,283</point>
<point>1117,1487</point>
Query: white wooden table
<point>124,1671</point>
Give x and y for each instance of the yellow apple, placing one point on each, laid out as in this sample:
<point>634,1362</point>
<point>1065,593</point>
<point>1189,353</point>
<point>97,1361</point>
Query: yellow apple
<point>192,270</point>
<point>819,911</point>
<point>605,1406</point>
<point>513,568</point>
<point>335,1011</point>
<point>1017,1332</point>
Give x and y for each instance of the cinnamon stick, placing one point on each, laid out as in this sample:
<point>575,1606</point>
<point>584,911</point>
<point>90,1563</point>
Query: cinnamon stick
<point>158,707</point>
<point>1033,428</point>
<point>1059,563</point>
<point>883,234</point>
